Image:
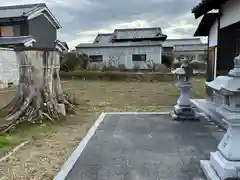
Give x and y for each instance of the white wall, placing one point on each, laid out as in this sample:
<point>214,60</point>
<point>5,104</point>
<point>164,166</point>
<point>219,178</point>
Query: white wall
<point>137,33</point>
<point>188,41</point>
<point>9,68</point>
<point>231,13</point>
<point>124,54</point>
<point>191,47</point>
<point>213,34</point>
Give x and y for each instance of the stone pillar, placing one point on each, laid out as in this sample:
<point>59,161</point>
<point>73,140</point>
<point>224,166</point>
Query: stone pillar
<point>183,110</point>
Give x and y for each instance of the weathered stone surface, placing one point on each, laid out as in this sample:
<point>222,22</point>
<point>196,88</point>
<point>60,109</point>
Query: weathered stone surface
<point>225,162</point>
<point>183,110</point>
<point>133,147</point>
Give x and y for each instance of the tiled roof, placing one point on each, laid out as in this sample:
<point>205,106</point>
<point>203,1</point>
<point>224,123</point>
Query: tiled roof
<point>15,40</point>
<point>18,10</point>
<point>205,6</point>
<point>103,38</point>
<point>122,44</point>
<point>205,24</point>
<point>27,10</point>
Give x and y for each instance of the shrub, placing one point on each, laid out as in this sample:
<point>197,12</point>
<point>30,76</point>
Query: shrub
<point>122,67</point>
<point>162,68</point>
<point>109,68</point>
<point>94,67</point>
<point>150,65</point>
<point>72,61</point>
<point>84,61</point>
<point>117,76</point>
<point>136,67</point>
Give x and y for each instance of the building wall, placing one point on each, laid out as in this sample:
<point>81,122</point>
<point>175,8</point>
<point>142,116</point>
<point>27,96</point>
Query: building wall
<point>230,13</point>
<point>137,33</point>
<point>173,42</point>
<point>213,34</point>
<point>9,68</point>
<point>123,55</point>
<point>43,31</point>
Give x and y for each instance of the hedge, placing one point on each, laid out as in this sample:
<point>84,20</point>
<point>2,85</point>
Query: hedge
<point>117,76</point>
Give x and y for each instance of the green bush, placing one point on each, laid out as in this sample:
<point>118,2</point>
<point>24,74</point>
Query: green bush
<point>122,67</point>
<point>136,68</point>
<point>84,61</point>
<point>117,76</point>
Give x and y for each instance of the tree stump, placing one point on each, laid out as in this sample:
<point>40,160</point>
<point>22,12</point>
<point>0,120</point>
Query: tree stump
<point>39,95</point>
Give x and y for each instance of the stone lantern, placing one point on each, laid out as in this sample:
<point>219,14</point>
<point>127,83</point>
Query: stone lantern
<point>225,162</point>
<point>183,110</point>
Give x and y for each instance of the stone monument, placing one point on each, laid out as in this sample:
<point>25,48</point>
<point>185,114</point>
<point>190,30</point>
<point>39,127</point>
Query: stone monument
<point>183,110</point>
<point>225,162</point>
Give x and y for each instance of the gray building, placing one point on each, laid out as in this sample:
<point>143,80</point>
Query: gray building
<point>186,48</point>
<point>138,47</point>
<point>35,21</point>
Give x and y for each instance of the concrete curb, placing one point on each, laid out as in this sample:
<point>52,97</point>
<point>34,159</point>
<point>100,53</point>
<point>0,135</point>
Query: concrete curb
<point>66,168</point>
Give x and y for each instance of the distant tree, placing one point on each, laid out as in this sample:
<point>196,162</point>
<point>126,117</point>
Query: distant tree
<point>84,61</point>
<point>167,61</point>
<point>72,61</point>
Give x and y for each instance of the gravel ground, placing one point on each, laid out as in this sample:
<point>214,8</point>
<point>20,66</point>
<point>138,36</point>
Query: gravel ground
<point>50,145</point>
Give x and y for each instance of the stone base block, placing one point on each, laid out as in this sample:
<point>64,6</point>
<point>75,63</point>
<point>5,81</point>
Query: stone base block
<point>208,170</point>
<point>209,109</point>
<point>182,113</point>
<point>219,168</point>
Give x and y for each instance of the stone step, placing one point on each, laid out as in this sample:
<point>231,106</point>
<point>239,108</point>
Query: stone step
<point>208,170</point>
<point>209,109</point>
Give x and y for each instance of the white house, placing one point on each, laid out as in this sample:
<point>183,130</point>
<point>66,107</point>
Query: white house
<point>190,48</point>
<point>139,47</point>
<point>131,47</point>
<point>221,23</point>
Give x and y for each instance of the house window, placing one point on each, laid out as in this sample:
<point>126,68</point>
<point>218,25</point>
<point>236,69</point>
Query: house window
<point>96,58</point>
<point>139,57</point>
<point>6,31</point>
<point>10,30</point>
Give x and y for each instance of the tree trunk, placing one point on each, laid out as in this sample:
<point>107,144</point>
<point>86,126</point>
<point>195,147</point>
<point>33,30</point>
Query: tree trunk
<point>39,95</point>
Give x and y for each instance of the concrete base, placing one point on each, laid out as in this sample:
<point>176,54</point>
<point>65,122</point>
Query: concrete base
<point>209,109</point>
<point>208,170</point>
<point>183,113</point>
<point>219,168</point>
<point>135,145</point>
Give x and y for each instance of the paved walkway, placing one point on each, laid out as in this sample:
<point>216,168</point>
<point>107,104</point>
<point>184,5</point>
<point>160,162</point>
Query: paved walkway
<point>146,147</point>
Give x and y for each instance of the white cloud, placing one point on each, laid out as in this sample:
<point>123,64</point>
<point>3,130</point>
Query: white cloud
<point>82,20</point>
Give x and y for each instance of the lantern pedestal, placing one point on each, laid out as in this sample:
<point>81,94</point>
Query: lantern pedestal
<point>183,110</point>
<point>225,162</point>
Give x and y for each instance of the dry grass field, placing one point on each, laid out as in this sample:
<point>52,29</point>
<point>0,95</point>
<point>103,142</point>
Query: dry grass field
<point>50,144</point>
